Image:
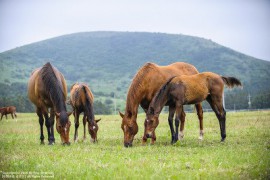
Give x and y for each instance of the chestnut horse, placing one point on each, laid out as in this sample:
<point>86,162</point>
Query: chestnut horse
<point>81,99</point>
<point>192,89</point>
<point>145,84</point>
<point>8,110</point>
<point>47,89</point>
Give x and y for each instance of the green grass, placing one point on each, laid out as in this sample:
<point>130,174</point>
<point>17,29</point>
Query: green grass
<point>244,155</point>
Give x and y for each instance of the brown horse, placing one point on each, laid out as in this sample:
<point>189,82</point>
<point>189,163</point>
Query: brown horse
<point>81,99</point>
<point>8,110</point>
<point>145,84</point>
<point>193,89</point>
<point>47,89</point>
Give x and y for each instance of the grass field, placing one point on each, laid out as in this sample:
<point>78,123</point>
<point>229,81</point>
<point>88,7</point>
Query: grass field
<point>244,155</point>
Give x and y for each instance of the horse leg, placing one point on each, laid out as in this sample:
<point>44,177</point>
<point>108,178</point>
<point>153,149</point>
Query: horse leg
<point>2,116</point>
<point>153,138</point>
<point>182,118</point>
<point>76,121</point>
<point>52,116</point>
<point>84,129</point>
<point>144,138</point>
<point>47,124</point>
<point>41,122</point>
<point>199,110</point>
<point>170,121</point>
<point>217,106</point>
<point>12,116</point>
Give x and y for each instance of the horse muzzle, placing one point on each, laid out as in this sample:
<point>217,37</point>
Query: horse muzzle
<point>126,144</point>
<point>149,135</point>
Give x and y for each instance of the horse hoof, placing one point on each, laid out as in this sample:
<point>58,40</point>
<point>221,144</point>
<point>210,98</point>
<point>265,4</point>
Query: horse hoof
<point>222,140</point>
<point>42,143</point>
<point>51,143</point>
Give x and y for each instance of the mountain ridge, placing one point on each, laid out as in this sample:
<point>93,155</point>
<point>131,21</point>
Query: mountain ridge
<point>108,60</point>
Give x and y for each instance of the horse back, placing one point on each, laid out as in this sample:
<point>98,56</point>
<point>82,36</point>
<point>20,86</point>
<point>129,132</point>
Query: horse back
<point>37,91</point>
<point>79,94</point>
<point>163,73</point>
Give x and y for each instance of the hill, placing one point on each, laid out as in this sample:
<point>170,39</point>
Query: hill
<point>107,61</point>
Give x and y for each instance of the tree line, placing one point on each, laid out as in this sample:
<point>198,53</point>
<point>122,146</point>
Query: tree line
<point>14,94</point>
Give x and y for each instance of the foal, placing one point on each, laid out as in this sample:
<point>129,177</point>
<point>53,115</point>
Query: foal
<point>81,99</point>
<point>193,89</point>
<point>8,110</point>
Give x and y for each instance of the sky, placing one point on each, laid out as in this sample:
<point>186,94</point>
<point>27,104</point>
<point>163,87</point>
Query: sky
<point>242,25</point>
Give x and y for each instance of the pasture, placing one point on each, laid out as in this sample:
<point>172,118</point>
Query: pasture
<point>244,155</point>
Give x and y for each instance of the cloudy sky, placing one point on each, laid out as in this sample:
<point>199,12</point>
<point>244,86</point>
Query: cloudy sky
<point>243,25</point>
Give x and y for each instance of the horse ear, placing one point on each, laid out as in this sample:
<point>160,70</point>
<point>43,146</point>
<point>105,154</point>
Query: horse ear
<point>152,110</point>
<point>97,120</point>
<point>121,114</point>
<point>57,114</point>
<point>69,113</point>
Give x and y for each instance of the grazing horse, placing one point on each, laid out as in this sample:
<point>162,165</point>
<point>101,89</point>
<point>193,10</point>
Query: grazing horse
<point>145,84</point>
<point>8,110</point>
<point>192,89</point>
<point>47,89</point>
<point>81,99</point>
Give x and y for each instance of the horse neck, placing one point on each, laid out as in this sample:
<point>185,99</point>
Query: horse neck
<point>159,101</point>
<point>88,105</point>
<point>89,111</point>
<point>132,105</point>
<point>60,104</point>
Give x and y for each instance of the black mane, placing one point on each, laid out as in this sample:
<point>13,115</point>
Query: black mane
<point>161,91</point>
<point>52,86</point>
<point>88,106</point>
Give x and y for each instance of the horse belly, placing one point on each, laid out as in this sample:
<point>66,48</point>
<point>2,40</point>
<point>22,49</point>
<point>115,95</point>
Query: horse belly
<point>195,98</point>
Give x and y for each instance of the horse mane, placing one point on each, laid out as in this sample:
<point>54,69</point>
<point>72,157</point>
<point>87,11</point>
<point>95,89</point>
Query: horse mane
<point>160,94</point>
<point>136,84</point>
<point>88,106</point>
<point>87,102</point>
<point>52,85</point>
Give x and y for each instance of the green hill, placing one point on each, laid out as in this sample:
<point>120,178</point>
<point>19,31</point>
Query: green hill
<point>107,61</point>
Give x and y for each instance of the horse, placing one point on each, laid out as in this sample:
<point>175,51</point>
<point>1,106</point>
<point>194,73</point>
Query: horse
<point>8,110</point>
<point>145,84</point>
<point>47,90</point>
<point>192,89</point>
<point>81,100</point>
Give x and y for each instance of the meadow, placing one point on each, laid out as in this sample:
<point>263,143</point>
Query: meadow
<point>244,155</point>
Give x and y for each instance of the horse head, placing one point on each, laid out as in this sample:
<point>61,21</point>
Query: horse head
<point>129,127</point>
<point>63,125</point>
<point>151,122</point>
<point>93,129</point>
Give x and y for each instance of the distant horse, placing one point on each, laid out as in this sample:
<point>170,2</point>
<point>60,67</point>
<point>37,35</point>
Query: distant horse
<point>145,84</point>
<point>193,89</point>
<point>47,89</point>
<point>8,110</point>
<point>81,99</point>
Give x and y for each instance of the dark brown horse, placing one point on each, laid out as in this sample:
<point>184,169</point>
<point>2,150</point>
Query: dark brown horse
<point>145,84</point>
<point>193,89</point>
<point>47,89</point>
<point>81,99</point>
<point>8,110</point>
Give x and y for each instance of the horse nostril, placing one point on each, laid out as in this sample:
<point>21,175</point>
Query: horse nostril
<point>148,136</point>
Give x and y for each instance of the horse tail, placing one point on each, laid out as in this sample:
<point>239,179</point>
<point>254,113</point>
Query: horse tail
<point>231,81</point>
<point>88,106</point>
